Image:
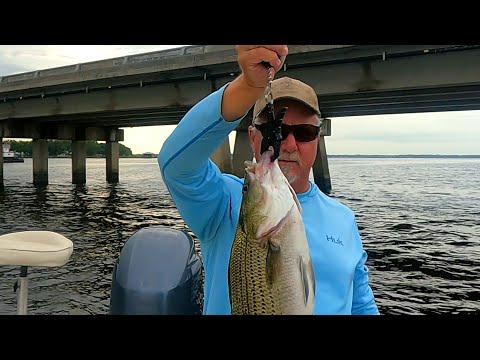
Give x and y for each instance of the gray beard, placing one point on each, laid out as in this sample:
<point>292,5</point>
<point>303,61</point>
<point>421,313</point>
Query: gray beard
<point>291,177</point>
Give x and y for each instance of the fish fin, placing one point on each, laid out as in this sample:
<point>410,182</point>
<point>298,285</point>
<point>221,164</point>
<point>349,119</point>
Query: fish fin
<point>306,272</point>
<point>229,289</point>
<point>272,263</point>
<point>229,281</point>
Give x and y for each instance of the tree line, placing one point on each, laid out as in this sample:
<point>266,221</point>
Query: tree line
<point>64,148</point>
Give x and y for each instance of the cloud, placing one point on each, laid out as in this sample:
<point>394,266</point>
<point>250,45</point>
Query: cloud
<point>444,126</point>
<point>7,68</point>
<point>23,58</point>
<point>443,133</point>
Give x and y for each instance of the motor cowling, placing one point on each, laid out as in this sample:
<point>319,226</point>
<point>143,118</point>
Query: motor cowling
<point>158,272</point>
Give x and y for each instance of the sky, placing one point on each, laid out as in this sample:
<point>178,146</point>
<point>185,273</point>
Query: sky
<point>427,133</point>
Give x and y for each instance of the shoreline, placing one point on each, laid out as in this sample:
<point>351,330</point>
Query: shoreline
<point>402,156</point>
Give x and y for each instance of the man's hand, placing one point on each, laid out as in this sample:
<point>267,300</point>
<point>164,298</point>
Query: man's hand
<point>250,58</point>
<point>241,94</point>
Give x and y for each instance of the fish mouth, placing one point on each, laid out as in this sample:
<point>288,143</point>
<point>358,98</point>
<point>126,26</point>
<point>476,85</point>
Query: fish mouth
<point>262,167</point>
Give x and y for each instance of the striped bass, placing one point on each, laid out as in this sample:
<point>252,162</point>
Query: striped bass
<point>270,270</point>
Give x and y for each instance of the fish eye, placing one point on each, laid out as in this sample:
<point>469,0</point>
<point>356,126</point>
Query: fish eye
<point>245,188</point>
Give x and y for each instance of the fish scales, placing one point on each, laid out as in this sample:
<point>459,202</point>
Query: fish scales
<point>270,269</point>
<point>249,293</point>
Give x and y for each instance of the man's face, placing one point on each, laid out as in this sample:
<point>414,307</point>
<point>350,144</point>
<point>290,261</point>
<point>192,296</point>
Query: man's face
<point>296,158</point>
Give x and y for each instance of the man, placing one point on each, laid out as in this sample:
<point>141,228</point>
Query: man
<point>209,201</point>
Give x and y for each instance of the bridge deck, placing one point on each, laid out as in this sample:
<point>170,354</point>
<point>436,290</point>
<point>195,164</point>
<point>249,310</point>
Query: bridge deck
<point>157,88</point>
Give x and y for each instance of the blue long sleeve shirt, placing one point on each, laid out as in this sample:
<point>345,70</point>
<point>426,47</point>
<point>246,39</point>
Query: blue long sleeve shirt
<point>209,203</point>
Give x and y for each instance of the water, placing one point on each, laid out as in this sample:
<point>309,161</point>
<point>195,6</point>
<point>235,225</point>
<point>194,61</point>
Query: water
<point>419,220</point>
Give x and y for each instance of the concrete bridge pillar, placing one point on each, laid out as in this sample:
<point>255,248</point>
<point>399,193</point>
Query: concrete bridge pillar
<point>40,161</point>
<point>79,162</point>
<point>242,152</point>
<point>321,173</point>
<point>222,157</point>
<point>1,164</point>
<point>112,151</point>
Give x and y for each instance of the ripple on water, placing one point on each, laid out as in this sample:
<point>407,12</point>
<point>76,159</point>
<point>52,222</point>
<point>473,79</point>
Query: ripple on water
<point>420,226</point>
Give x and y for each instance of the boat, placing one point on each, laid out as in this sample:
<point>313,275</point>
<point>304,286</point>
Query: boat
<point>10,156</point>
<point>158,271</point>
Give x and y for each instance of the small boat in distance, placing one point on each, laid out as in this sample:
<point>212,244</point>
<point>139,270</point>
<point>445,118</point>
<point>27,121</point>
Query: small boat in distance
<point>10,156</point>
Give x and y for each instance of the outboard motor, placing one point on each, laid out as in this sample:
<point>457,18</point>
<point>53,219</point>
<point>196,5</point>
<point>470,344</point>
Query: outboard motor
<point>158,272</point>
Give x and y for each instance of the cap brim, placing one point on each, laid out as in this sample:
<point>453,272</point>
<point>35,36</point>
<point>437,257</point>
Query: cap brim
<point>290,98</point>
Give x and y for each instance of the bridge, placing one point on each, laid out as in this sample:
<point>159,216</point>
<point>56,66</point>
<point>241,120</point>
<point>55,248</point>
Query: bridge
<point>94,100</point>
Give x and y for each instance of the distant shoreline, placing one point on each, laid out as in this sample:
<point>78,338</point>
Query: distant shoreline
<point>404,156</point>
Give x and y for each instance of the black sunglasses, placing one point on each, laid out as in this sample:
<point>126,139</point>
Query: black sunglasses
<point>301,132</point>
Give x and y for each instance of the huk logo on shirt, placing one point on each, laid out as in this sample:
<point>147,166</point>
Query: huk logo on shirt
<point>334,240</point>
